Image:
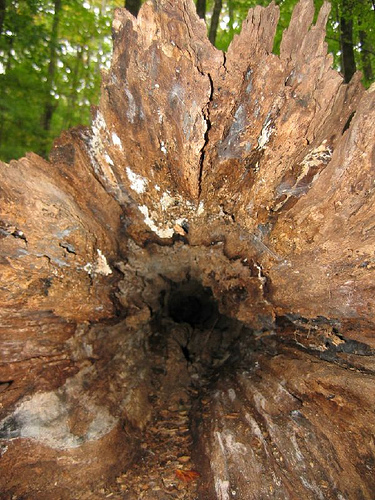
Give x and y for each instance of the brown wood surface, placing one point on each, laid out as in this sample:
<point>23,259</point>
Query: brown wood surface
<point>247,172</point>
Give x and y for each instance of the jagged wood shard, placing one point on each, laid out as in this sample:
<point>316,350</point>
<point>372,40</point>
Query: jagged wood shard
<point>245,176</point>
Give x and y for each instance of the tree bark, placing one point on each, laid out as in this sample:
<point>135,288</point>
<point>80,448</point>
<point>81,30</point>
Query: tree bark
<point>198,265</point>
<point>347,41</point>
<point>133,6</point>
<point>215,21</point>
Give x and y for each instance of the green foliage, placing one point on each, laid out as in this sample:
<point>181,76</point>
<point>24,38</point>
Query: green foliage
<point>83,48</point>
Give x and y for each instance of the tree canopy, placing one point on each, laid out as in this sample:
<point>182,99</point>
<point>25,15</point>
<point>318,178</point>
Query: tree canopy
<point>52,52</point>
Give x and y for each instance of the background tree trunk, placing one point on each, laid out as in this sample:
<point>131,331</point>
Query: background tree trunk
<point>347,41</point>
<point>366,51</point>
<point>4,106</point>
<point>201,8</point>
<point>2,14</point>
<point>215,21</point>
<point>50,103</point>
<point>231,18</point>
<point>75,80</point>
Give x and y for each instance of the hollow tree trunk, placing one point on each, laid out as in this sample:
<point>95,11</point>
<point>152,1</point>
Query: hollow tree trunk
<point>187,285</point>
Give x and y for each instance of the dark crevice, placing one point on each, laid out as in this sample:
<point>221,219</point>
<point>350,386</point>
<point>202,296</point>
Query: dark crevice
<point>321,338</point>
<point>4,385</point>
<point>19,234</point>
<point>206,114</point>
<point>68,247</point>
<point>348,122</point>
<point>7,230</point>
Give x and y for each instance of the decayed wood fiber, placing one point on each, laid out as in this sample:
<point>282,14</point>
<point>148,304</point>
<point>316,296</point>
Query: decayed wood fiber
<point>251,172</point>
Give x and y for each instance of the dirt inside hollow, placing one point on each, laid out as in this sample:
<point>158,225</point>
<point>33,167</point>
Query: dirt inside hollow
<point>189,343</point>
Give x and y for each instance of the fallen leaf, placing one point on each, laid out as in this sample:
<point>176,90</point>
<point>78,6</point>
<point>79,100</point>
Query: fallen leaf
<point>187,475</point>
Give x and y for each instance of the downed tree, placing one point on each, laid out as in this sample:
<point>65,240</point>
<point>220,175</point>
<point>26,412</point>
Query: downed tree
<point>187,285</point>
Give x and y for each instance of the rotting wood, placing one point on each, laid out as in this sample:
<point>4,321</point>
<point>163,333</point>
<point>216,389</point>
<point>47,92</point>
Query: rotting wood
<point>245,173</point>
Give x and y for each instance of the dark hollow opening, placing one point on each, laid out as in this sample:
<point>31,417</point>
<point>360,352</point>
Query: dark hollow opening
<point>190,302</point>
<point>189,316</point>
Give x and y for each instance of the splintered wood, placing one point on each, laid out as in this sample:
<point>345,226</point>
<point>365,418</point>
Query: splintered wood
<point>251,173</point>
